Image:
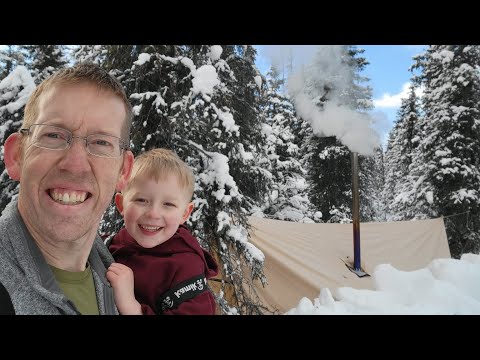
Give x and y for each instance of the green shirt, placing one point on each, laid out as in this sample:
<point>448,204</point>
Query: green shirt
<point>79,288</point>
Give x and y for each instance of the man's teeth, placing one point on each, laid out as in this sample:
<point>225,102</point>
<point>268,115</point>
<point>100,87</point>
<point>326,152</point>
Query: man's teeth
<point>69,198</point>
<point>150,228</point>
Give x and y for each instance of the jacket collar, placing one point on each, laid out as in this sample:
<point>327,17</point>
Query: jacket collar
<point>43,280</point>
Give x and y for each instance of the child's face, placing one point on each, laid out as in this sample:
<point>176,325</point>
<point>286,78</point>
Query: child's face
<point>152,210</point>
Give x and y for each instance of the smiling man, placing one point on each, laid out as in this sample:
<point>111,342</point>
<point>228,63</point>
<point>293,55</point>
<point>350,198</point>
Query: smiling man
<point>70,156</point>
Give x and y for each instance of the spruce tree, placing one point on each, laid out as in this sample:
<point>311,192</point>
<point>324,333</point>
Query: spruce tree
<point>288,199</point>
<point>90,53</point>
<point>403,140</point>
<point>372,182</point>
<point>202,102</point>
<point>10,58</point>
<point>44,60</point>
<point>446,167</point>
<point>15,90</point>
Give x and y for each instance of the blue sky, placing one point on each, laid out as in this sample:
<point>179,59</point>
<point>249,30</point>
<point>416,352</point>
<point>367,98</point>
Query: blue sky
<point>388,73</point>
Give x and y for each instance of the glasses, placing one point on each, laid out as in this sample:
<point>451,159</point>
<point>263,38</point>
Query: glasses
<point>56,138</point>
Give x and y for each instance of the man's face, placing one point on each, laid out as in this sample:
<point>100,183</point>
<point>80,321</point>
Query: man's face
<point>64,193</point>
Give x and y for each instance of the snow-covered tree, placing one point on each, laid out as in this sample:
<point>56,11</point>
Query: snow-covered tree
<point>288,199</point>
<point>372,179</point>
<point>44,60</point>
<point>402,142</point>
<point>330,178</point>
<point>15,90</point>
<point>202,102</point>
<point>90,53</point>
<point>445,169</point>
<point>10,58</point>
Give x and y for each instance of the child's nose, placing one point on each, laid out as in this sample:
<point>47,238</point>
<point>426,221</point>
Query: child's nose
<point>154,211</point>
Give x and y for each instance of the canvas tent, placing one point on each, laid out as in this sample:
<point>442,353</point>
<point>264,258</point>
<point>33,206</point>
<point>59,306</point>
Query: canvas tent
<point>300,258</point>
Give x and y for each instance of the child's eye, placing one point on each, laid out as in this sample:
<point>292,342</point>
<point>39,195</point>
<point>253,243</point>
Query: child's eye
<point>170,204</point>
<point>140,200</point>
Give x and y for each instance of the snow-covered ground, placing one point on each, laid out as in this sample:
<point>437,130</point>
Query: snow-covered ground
<point>445,286</point>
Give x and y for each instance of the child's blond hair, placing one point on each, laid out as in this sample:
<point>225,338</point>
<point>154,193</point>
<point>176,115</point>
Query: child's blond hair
<point>158,164</point>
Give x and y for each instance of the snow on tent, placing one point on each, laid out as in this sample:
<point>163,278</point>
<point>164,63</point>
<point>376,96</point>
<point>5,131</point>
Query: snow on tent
<point>301,259</point>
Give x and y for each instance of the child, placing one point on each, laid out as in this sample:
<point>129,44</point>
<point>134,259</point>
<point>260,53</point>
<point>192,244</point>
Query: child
<point>170,267</point>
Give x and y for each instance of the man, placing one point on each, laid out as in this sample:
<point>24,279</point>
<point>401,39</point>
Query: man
<point>70,156</point>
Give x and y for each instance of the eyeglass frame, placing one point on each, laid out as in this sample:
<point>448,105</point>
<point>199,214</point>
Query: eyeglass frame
<point>122,143</point>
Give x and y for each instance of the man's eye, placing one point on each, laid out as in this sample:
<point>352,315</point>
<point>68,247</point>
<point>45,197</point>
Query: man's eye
<point>102,143</point>
<point>53,135</point>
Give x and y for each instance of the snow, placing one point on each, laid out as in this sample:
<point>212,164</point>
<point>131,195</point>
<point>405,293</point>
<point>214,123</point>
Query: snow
<point>205,79</point>
<point>217,172</point>
<point>18,78</point>
<point>142,59</point>
<point>444,287</point>
<point>215,52</point>
<point>227,120</point>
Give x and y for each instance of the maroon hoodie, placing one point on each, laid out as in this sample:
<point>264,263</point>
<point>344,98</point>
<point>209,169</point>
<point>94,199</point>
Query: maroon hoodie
<point>164,266</point>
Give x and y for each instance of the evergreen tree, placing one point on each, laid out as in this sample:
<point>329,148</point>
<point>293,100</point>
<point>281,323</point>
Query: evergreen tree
<point>403,140</point>
<point>446,178</point>
<point>202,102</point>
<point>288,199</point>
<point>380,205</point>
<point>372,179</point>
<point>44,60</point>
<point>90,53</point>
<point>330,178</point>
<point>10,58</point>
<point>15,90</point>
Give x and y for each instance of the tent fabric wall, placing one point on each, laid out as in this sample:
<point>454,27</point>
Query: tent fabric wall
<point>301,259</point>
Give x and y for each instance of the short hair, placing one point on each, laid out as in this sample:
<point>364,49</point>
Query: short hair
<point>81,73</point>
<point>158,164</point>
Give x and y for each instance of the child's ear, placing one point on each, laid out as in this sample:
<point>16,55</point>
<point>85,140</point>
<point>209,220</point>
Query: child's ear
<point>187,212</point>
<point>119,202</point>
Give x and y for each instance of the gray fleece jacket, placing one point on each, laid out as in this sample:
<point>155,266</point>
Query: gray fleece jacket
<point>29,280</point>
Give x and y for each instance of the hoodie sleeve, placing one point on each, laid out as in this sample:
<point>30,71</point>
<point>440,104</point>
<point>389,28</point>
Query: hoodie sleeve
<point>202,304</point>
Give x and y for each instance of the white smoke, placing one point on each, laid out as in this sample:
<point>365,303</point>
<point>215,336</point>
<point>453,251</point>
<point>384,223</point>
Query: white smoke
<point>330,77</point>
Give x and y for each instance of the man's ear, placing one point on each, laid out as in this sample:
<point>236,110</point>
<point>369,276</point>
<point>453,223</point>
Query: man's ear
<point>126,170</point>
<point>119,202</point>
<point>187,212</point>
<point>12,156</point>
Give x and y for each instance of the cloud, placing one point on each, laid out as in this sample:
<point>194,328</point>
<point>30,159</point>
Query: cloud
<point>392,101</point>
<point>388,101</point>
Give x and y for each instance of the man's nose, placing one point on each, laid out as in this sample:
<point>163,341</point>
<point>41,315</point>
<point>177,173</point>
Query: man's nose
<point>75,157</point>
